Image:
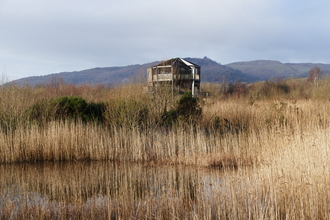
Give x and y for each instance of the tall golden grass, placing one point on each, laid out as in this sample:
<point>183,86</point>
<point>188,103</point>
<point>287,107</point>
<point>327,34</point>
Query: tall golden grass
<point>274,153</point>
<point>226,129</point>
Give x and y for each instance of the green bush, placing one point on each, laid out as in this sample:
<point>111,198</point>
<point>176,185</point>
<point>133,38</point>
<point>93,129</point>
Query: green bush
<point>187,110</point>
<point>75,108</point>
<point>188,106</point>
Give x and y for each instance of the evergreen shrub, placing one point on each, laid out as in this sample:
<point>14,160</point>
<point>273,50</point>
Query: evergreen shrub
<point>67,107</point>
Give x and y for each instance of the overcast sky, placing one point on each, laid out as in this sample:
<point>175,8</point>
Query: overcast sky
<point>40,37</point>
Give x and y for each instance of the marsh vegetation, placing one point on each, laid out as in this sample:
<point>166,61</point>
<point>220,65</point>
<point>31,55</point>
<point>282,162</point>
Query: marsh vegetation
<point>257,151</point>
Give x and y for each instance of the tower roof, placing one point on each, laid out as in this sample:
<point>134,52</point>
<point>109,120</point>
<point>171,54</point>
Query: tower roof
<point>175,61</point>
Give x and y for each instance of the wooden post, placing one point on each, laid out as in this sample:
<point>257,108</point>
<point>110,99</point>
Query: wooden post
<point>172,72</point>
<point>193,81</point>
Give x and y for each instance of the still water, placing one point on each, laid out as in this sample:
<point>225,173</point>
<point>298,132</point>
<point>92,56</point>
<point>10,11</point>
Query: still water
<point>79,182</point>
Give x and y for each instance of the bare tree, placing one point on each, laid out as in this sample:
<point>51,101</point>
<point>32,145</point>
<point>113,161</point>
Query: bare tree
<point>314,75</point>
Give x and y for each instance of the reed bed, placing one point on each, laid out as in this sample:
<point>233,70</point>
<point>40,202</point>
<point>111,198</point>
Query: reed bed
<point>291,182</point>
<point>260,159</point>
<point>69,141</point>
<point>239,133</point>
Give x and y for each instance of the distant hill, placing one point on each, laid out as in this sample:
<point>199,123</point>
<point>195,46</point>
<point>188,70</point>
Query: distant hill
<point>215,72</point>
<point>266,69</point>
<point>211,72</point>
<point>100,75</point>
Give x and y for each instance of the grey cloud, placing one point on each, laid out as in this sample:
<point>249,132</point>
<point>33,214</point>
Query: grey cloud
<point>42,37</point>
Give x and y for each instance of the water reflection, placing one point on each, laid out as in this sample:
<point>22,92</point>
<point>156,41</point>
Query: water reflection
<point>78,182</point>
